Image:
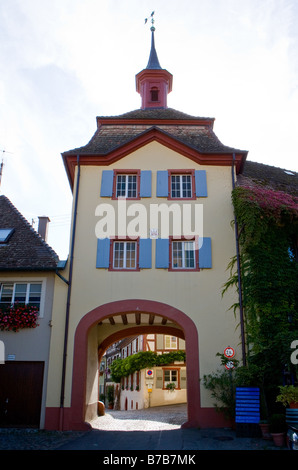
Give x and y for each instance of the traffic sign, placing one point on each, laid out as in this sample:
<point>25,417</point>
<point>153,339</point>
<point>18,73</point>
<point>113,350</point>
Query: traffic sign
<point>229,365</point>
<point>229,352</point>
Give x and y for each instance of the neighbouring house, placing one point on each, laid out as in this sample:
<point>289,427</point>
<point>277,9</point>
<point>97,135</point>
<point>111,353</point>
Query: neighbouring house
<point>150,245</point>
<point>156,385</point>
<point>27,277</point>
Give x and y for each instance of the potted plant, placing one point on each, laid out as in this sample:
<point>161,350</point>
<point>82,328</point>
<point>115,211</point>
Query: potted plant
<point>288,396</point>
<point>278,429</point>
<point>171,386</point>
<point>264,426</point>
<point>110,396</point>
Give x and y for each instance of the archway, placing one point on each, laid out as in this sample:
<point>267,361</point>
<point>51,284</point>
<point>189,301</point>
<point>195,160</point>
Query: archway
<point>146,339</point>
<point>75,417</point>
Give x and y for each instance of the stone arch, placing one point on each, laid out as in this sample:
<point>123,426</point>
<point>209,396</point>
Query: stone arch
<point>75,418</point>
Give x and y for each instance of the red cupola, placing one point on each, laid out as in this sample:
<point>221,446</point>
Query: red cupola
<point>154,83</point>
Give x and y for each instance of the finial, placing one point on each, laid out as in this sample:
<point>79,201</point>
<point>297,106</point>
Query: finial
<point>152,21</point>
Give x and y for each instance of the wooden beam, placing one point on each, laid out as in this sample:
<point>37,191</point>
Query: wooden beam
<point>151,319</point>
<point>138,318</point>
<point>124,319</point>
<point>111,320</point>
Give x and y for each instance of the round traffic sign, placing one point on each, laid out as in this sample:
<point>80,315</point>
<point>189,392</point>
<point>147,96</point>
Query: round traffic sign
<point>229,365</point>
<point>229,352</point>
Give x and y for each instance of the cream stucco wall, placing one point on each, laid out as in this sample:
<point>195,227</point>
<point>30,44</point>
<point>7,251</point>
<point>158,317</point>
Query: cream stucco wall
<point>197,294</point>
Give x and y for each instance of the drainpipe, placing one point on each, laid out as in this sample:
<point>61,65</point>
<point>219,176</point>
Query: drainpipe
<point>68,297</point>
<point>239,274</point>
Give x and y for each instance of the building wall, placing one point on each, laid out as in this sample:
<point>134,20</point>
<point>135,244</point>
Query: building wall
<point>197,294</point>
<point>32,344</point>
<point>142,398</point>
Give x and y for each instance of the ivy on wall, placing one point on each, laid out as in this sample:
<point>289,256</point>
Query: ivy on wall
<point>268,234</point>
<point>141,360</point>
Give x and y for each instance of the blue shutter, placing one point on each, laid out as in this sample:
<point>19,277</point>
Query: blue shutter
<point>103,253</point>
<point>201,183</point>
<point>162,184</point>
<point>205,257</point>
<point>162,255</point>
<point>107,179</point>
<point>145,183</point>
<point>145,253</point>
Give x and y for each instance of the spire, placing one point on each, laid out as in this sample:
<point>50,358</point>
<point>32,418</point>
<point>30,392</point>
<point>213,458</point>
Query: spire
<point>153,83</point>
<point>153,62</point>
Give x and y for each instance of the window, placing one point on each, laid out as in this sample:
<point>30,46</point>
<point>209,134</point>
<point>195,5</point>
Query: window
<point>126,186</point>
<point>5,234</point>
<point>181,187</point>
<point>23,293</point>
<point>171,342</point>
<point>170,376</point>
<point>124,255</point>
<point>183,254</point>
<point>154,94</point>
<point>129,255</point>
<point>130,184</point>
<point>181,184</point>
<point>174,256</point>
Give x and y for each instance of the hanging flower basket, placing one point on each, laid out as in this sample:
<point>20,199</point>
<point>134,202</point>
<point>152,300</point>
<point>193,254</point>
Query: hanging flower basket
<point>18,317</point>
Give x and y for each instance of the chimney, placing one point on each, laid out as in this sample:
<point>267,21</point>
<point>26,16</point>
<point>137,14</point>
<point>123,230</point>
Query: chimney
<point>43,224</point>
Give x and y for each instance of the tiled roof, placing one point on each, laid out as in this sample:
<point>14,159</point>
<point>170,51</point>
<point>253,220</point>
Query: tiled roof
<point>156,113</point>
<point>115,131</point>
<point>25,249</point>
<point>272,177</point>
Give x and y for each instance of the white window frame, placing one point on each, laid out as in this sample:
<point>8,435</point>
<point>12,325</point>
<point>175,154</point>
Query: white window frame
<point>125,253</point>
<point>170,371</point>
<point>189,189</point>
<point>27,281</point>
<point>135,183</point>
<point>183,251</point>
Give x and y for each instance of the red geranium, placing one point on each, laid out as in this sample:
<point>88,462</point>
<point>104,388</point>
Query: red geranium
<point>18,317</point>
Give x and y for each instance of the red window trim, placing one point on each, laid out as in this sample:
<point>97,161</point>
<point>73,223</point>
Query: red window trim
<point>127,172</point>
<point>181,239</point>
<point>124,239</point>
<point>193,188</point>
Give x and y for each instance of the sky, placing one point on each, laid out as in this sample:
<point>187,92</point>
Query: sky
<point>64,62</point>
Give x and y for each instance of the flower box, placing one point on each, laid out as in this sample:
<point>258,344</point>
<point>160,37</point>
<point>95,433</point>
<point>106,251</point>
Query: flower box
<point>18,317</point>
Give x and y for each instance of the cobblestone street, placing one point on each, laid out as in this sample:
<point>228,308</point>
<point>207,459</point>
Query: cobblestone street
<point>150,419</point>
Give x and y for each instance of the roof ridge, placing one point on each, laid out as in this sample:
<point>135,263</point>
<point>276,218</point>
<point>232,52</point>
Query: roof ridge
<point>163,112</point>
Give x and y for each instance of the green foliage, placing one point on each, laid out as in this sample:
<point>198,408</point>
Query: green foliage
<point>268,222</point>
<point>142,360</point>
<point>222,384</point>
<point>110,393</point>
<point>287,394</point>
<point>171,386</point>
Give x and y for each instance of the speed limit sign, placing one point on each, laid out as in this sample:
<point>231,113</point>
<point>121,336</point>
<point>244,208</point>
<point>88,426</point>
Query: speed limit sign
<point>229,352</point>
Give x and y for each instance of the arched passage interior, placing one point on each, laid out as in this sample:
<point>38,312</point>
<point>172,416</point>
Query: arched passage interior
<point>75,416</point>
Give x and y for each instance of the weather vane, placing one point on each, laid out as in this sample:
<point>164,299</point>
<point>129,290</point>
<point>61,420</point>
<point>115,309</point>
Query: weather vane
<point>2,164</point>
<point>152,21</point>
